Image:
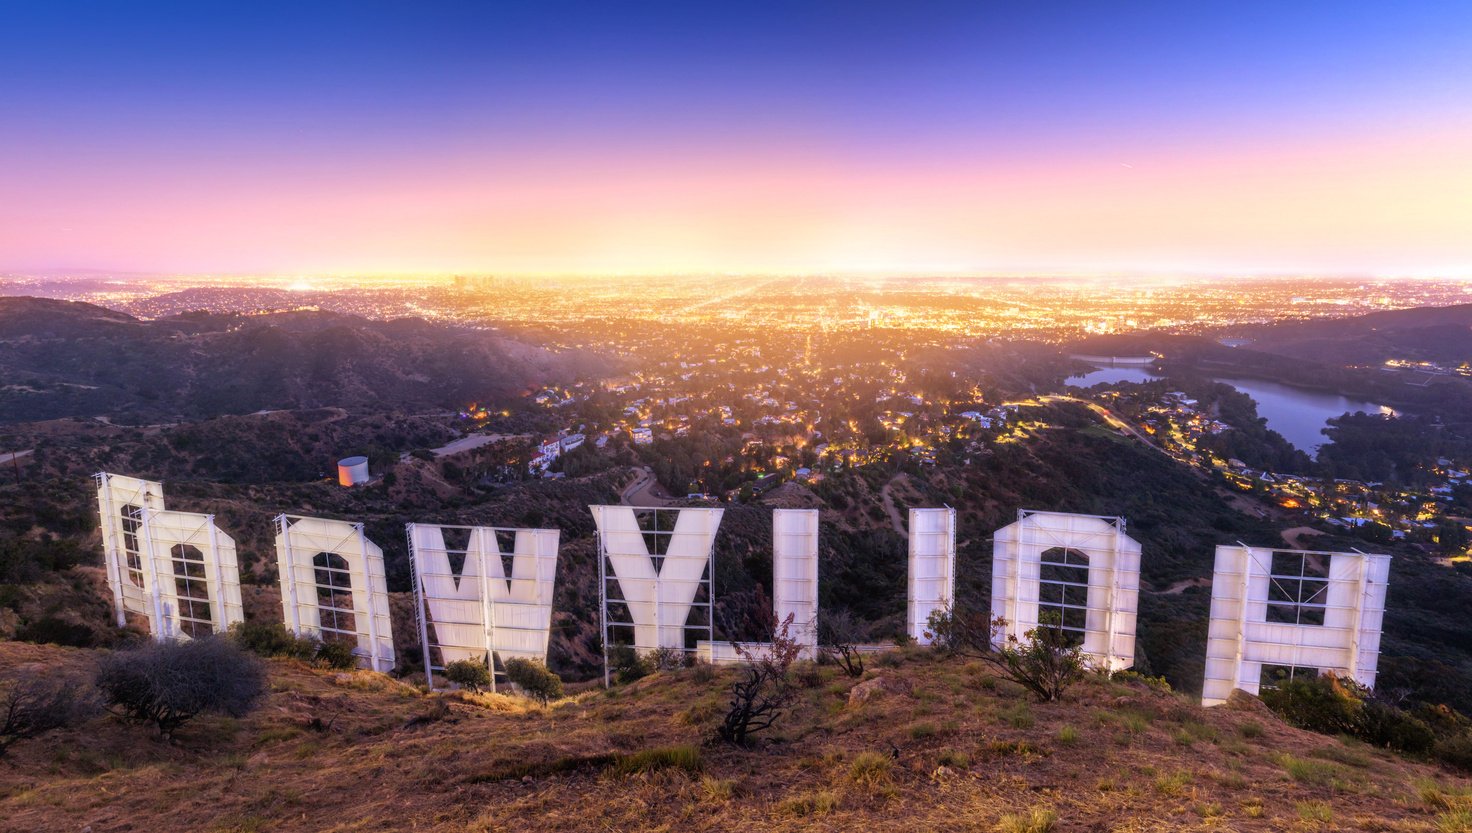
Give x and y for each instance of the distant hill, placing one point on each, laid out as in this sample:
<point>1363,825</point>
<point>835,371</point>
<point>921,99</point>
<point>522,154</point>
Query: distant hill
<point>1442,334</point>
<point>60,359</point>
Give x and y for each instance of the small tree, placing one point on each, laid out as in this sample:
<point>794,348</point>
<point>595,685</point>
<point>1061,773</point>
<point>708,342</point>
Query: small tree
<point>34,705</point>
<point>958,631</point>
<point>468,673</point>
<point>534,678</point>
<point>169,683</point>
<point>628,664</point>
<point>839,632</point>
<point>1045,661</point>
<point>764,691</point>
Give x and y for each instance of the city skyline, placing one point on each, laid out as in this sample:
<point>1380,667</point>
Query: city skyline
<point>364,139</point>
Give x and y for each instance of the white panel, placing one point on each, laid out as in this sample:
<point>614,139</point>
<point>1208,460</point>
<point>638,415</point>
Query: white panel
<point>932,583</point>
<point>480,611</point>
<point>1242,640</point>
<point>658,601</point>
<point>298,542</point>
<point>120,503</point>
<point>795,574</point>
<point>193,575</point>
<point>1110,603</point>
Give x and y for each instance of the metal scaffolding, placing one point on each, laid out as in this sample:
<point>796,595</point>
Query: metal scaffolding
<point>486,609</point>
<point>1082,568</point>
<point>655,571</point>
<point>1281,612</point>
<point>330,569</point>
<point>932,575</point>
<point>794,588</point>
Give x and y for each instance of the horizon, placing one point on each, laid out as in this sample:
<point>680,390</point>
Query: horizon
<point>666,140</point>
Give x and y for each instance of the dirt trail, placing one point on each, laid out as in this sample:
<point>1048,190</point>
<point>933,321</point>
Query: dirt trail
<point>1294,536</point>
<point>887,497</point>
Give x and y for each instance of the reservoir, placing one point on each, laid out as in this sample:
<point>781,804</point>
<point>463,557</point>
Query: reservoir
<point>1298,414</point>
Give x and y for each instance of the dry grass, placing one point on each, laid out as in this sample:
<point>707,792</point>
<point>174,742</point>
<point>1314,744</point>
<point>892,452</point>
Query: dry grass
<point>954,754</point>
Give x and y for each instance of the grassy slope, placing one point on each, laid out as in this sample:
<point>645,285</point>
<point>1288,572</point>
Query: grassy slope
<point>1141,760</point>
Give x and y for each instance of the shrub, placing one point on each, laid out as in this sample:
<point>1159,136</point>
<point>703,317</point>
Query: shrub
<point>1320,704</point>
<point>468,673</point>
<point>627,665</point>
<point>1336,706</point>
<point>840,633</point>
<point>1044,661</point>
<point>1386,726</point>
<point>169,683</point>
<point>667,659</point>
<point>534,678</point>
<point>34,705</point>
<point>272,639</point>
<point>1455,751</point>
<point>338,655</point>
<point>52,630</point>
<point>809,675</point>
<point>958,631</point>
<point>764,690</point>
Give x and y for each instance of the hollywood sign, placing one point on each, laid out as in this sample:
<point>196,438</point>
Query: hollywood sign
<point>485,594</point>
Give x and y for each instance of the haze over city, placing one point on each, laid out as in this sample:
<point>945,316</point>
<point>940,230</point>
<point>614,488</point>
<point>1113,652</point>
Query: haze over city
<point>678,138</point>
<point>453,416</point>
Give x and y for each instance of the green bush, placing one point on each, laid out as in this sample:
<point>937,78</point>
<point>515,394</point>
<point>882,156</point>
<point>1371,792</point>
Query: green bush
<point>668,659</point>
<point>1320,704</point>
<point>53,630</point>
<point>1384,725</point>
<point>468,673</point>
<point>534,678</point>
<point>338,655</point>
<point>627,664</point>
<point>1335,706</point>
<point>1455,751</point>
<point>272,639</point>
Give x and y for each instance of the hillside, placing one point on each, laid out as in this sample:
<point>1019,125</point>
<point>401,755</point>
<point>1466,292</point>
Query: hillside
<point>62,359</point>
<point>246,469</point>
<point>924,742</point>
<point>1441,334</point>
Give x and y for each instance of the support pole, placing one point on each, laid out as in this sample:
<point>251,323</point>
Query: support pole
<point>217,613</point>
<point>110,554</point>
<point>293,617</point>
<point>420,619</point>
<point>373,655</point>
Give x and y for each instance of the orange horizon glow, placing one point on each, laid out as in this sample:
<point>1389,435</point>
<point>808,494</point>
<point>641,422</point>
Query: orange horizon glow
<point>942,139</point>
<point>1395,204</point>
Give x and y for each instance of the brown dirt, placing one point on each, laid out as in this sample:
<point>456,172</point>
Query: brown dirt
<point>1140,760</point>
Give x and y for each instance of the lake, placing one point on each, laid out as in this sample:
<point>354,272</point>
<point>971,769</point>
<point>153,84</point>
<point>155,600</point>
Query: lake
<point>1298,414</point>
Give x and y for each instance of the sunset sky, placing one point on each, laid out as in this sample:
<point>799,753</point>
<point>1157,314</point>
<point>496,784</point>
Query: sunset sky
<point>609,137</point>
